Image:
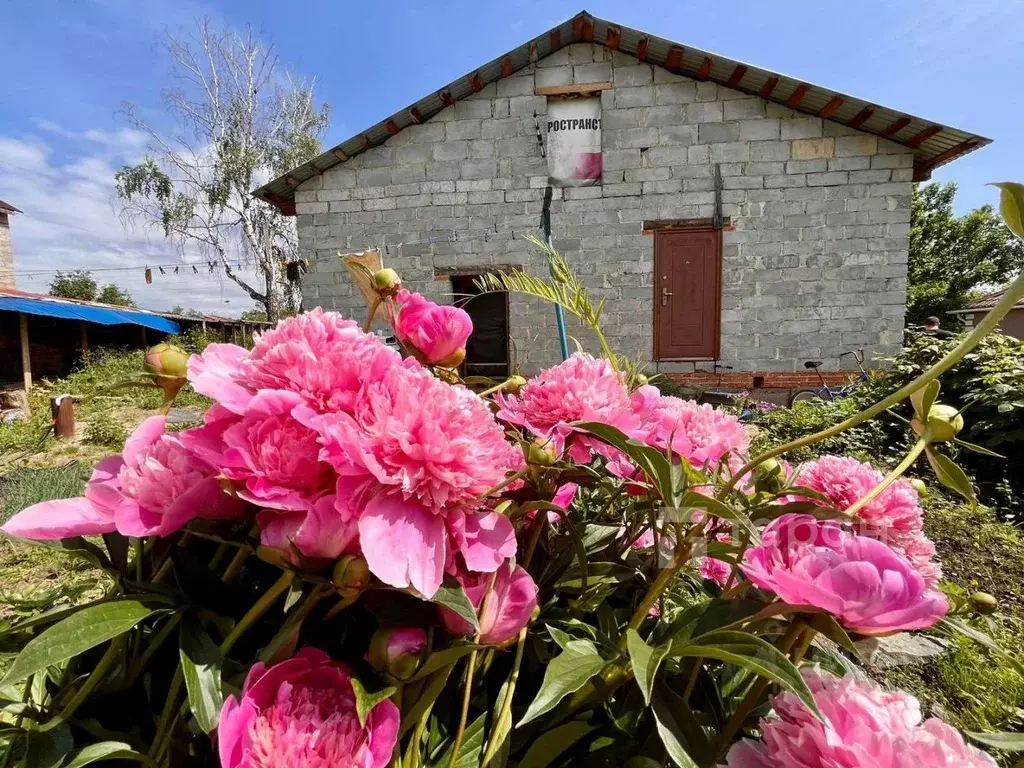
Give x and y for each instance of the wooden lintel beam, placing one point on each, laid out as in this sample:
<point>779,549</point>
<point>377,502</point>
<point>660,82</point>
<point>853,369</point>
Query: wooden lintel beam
<point>641,48</point>
<point>705,68</point>
<point>798,95</point>
<point>896,127</point>
<point>769,86</point>
<point>920,138</point>
<point>862,117</point>
<point>613,38</point>
<point>737,75</point>
<point>830,109</point>
<point>571,90</point>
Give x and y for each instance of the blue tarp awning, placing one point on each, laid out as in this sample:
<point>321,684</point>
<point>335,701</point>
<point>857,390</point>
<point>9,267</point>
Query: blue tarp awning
<point>87,312</point>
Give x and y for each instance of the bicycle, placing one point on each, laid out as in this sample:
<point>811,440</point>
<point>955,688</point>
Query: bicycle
<point>825,392</point>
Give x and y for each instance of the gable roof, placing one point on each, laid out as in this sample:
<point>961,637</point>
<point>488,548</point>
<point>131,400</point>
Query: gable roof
<point>933,144</point>
<point>984,304</point>
<point>7,208</point>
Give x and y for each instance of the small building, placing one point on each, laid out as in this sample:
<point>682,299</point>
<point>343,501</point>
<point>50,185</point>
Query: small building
<point>730,217</point>
<point>1012,324</point>
<point>6,250</point>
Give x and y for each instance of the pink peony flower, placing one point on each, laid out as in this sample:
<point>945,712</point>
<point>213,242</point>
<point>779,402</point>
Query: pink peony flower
<point>714,570</point>
<point>893,517</point>
<point>318,532</point>
<point>701,434</point>
<point>154,488</point>
<point>507,609</point>
<point>864,726</point>
<point>301,713</point>
<point>436,333</point>
<point>580,389</point>
<point>867,586</point>
<point>319,355</point>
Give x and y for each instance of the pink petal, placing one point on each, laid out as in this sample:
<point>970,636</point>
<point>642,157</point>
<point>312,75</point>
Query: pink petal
<point>404,543</point>
<point>489,540</point>
<point>216,373</point>
<point>59,519</point>
<point>147,433</point>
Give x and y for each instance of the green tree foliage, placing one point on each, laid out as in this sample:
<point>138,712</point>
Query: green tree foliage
<point>952,256</point>
<point>111,294</point>
<point>76,284</point>
<point>80,284</point>
<point>177,309</point>
<point>239,118</point>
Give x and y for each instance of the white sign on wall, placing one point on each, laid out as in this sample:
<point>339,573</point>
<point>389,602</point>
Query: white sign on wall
<point>574,142</point>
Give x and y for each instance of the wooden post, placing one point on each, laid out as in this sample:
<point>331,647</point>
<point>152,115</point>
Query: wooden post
<point>83,330</point>
<point>142,328</point>
<point>63,411</point>
<point>26,358</point>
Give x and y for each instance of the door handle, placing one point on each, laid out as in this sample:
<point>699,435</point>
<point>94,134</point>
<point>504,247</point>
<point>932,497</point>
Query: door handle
<point>665,293</point>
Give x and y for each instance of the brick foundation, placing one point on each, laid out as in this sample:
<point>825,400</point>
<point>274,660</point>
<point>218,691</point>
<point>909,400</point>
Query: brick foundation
<point>772,379</point>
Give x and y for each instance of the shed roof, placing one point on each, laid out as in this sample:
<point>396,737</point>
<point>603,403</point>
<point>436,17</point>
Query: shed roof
<point>984,304</point>
<point>934,144</point>
<point>13,300</point>
<point>7,208</point>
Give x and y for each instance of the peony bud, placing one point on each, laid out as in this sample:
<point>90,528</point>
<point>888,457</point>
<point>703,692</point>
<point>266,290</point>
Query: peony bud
<point>920,486</point>
<point>397,653</point>
<point>944,423</point>
<point>386,282</point>
<point>768,476</point>
<point>984,603</point>
<point>351,574</point>
<point>167,366</point>
<point>514,384</point>
<point>540,452</point>
<point>435,334</point>
<point>642,380</point>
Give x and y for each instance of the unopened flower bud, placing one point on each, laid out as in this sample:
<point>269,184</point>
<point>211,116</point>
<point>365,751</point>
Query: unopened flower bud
<point>541,452</point>
<point>642,380</point>
<point>944,422</point>
<point>397,653</point>
<point>351,573</point>
<point>768,476</point>
<point>386,282</point>
<point>920,486</point>
<point>513,384</point>
<point>454,360</point>
<point>984,603</point>
<point>167,366</point>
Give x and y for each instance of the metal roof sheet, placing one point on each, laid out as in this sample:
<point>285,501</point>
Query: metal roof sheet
<point>8,208</point>
<point>103,314</point>
<point>934,144</point>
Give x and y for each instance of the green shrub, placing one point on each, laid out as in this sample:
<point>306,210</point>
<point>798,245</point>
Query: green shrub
<point>104,429</point>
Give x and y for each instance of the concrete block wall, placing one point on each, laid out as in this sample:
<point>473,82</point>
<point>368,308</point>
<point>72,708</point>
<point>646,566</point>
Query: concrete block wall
<point>814,261</point>
<point>6,253</point>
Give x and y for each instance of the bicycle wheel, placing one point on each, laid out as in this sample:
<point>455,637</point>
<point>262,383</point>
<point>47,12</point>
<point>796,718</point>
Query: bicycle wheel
<point>804,396</point>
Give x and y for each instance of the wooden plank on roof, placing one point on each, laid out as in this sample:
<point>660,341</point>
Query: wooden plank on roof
<point>506,66</point>
<point>769,86</point>
<point>674,59</point>
<point>920,138</point>
<point>862,117</point>
<point>613,37</point>
<point>570,90</point>
<point>830,109</point>
<point>737,75</point>
<point>641,48</point>
<point>475,82</point>
<point>798,95</point>
<point>705,68</point>
<point>896,127</point>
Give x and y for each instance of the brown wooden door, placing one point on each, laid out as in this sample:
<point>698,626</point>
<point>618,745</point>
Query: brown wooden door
<point>687,267</point>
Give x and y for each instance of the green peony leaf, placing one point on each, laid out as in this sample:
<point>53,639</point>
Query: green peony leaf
<point>924,398</point>
<point>950,475</point>
<point>645,661</point>
<point>451,595</point>
<point>1011,205</point>
<point>76,634</point>
<point>367,700</point>
<point>671,730</point>
<point>471,747</point>
<point>566,673</point>
<point>550,745</point>
<point>104,750</point>
<point>1004,742</point>
<point>200,665</point>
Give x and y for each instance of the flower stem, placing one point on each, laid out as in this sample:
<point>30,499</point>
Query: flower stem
<point>679,558</point>
<point>505,711</point>
<point>464,716</point>
<point>793,633</point>
<point>988,323</point>
<point>889,479</point>
<point>235,566</point>
<point>504,483</point>
<point>97,675</point>
<point>255,613</point>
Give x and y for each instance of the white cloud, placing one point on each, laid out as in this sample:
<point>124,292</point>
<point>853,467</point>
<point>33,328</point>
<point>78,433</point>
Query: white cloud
<point>70,221</point>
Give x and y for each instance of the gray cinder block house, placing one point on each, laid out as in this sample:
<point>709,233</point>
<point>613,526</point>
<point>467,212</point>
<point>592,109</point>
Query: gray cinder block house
<point>728,214</point>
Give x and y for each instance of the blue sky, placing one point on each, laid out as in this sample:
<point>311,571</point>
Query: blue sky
<point>69,65</point>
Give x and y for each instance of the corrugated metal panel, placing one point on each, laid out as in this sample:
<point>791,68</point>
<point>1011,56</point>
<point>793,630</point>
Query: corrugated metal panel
<point>942,147</point>
<point>89,313</point>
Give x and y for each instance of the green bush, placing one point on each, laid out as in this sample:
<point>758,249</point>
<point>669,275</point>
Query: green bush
<point>104,429</point>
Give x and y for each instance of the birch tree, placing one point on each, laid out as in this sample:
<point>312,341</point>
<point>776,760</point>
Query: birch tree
<point>239,118</point>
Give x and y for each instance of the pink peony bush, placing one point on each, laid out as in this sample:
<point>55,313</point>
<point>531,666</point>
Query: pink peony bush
<point>863,726</point>
<point>394,569</point>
